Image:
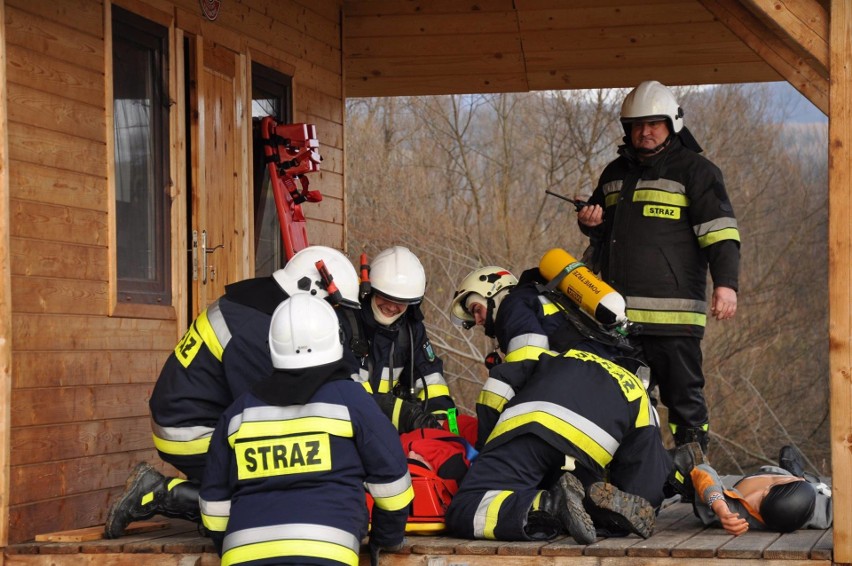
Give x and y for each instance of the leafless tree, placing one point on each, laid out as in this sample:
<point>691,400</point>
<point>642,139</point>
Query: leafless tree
<point>461,181</point>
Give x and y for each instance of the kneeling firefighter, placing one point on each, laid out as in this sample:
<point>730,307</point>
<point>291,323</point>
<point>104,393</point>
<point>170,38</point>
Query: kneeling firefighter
<point>397,363</point>
<point>291,461</point>
<point>222,355</point>
<point>560,403</point>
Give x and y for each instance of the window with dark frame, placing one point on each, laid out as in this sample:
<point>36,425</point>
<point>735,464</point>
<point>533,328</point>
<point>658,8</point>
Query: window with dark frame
<point>141,120</point>
<point>271,96</point>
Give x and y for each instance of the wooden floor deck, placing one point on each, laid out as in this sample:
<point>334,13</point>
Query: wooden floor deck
<point>679,539</point>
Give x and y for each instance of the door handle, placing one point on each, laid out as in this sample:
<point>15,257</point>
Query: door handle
<point>204,251</point>
<point>194,251</point>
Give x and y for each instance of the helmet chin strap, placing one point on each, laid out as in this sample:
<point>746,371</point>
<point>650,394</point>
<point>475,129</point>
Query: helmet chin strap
<point>489,318</point>
<point>380,317</point>
<point>646,152</point>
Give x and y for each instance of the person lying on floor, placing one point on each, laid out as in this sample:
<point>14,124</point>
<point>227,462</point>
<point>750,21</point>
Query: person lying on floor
<point>776,498</point>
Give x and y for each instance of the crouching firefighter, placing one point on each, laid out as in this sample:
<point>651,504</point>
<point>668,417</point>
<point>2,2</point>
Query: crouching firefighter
<point>570,441</point>
<point>222,355</point>
<point>397,362</point>
<point>289,461</point>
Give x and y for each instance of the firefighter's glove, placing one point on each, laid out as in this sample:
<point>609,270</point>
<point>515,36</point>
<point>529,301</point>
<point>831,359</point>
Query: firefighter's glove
<point>493,359</point>
<point>412,416</point>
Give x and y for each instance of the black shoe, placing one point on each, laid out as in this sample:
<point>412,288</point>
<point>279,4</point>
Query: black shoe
<point>625,511</point>
<point>684,459</point>
<point>142,498</point>
<point>565,501</point>
<point>791,459</point>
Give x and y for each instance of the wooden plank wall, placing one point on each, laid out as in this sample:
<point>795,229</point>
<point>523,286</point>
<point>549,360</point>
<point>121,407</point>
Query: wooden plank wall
<point>80,378</point>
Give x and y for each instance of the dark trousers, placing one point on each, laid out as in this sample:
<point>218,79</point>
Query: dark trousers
<point>675,363</point>
<point>497,492</point>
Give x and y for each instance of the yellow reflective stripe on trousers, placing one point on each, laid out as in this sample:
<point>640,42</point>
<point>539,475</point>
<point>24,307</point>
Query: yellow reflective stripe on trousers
<point>215,514</point>
<point>575,428</point>
<point>487,512</point>
<point>310,540</point>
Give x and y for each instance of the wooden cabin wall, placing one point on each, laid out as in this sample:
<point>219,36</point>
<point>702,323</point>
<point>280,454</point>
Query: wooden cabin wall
<point>81,376</point>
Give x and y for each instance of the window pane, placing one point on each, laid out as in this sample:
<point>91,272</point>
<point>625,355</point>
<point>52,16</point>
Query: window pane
<point>270,97</point>
<point>141,159</point>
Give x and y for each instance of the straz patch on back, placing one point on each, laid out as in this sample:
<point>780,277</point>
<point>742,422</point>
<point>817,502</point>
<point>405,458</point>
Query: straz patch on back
<point>659,211</point>
<point>281,456</point>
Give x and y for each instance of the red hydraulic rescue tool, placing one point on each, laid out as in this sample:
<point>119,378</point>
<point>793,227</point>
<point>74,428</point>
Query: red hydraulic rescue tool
<point>291,152</point>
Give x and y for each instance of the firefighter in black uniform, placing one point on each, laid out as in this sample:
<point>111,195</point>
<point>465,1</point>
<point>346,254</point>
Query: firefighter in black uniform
<point>222,354</point>
<point>548,412</point>
<point>397,363</point>
<point>525,322</point>
<point>658,217</point>
<point>289,461</point>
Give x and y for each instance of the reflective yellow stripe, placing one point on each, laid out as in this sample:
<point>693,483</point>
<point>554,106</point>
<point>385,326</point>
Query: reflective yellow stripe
<point>631,386</point>
<point>214,523</point>
<point>661,197</point>
<point>526,353</point>
<point>493,513</point>
<point>549,308</point>
<point>397,409</point>
<point>396,502</point>
<point>190,448</point>
<point>282,548</point>
<point>611,199</point>
<point>566,430</point>
<point>667,317</point>
<point>718,236</point>
<point>705,427</point>
<point>434,391</point>
<point>367,386</point>
<point>290,427</point>
<point>492,400</point>
<point>202,325</point>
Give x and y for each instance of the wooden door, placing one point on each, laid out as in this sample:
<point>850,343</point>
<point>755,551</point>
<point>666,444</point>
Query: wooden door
<point>220,199</point>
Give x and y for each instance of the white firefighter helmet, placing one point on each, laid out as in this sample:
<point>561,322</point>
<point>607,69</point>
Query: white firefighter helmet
<point>304,332</point>
<point>397,275</point>
<point>301,275</point>
<point>651,100</point>
<point>487,282</point>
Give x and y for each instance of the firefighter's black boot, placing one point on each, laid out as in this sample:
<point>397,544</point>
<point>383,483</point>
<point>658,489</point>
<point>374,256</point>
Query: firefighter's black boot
<point>565,502</point>
<point>148,493</point>
<point>617,510</point>
<point>684,458</point>
<point>685,434</point>
<point>792,460</point>
<point>143,495</point>
<point>181,500</point>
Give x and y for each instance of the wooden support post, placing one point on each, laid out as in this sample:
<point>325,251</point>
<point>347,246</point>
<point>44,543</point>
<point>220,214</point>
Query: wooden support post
<point>840,273</point>
<point>5,297</point>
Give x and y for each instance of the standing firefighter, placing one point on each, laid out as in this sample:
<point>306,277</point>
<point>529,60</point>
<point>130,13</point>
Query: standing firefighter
<point>659,217</point>
<point>222,355</point>
<point>289,461</point>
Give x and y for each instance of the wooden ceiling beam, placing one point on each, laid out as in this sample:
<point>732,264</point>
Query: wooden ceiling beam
<point>763,41</point>
<point>801,24</point>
